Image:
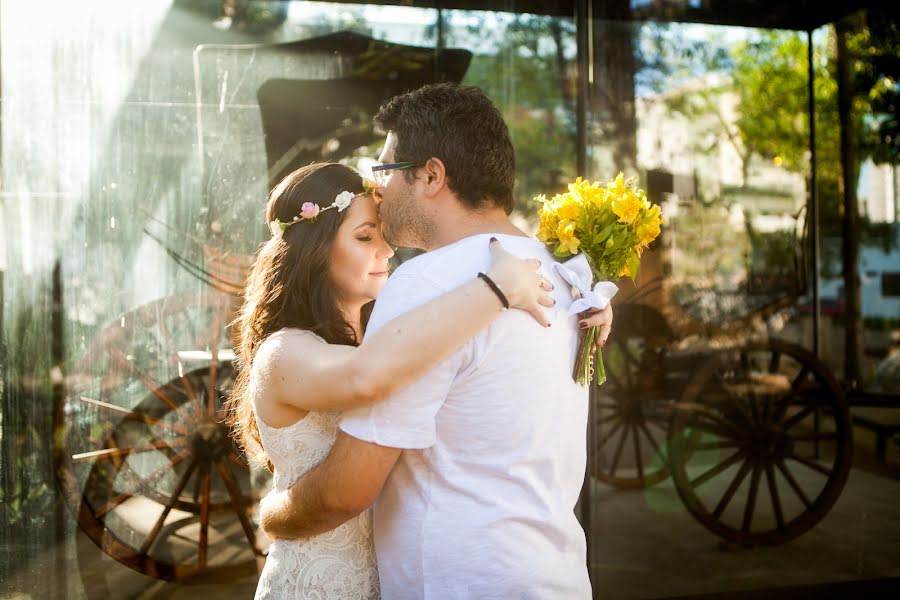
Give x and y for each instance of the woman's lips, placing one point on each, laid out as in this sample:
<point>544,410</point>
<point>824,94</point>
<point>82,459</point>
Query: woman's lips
<point>380,274</point>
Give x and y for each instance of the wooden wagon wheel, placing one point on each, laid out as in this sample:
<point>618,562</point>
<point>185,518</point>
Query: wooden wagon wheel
<point>630,411</point>
<point>142,453</point>
<point>768,411</point>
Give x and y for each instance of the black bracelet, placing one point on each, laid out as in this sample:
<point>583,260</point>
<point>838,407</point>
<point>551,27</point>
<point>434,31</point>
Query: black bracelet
<point>496,289</point>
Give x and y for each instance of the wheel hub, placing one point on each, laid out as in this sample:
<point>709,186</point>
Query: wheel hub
<point>210,440</point>
<point>767,444</point>
<point>632,412</point>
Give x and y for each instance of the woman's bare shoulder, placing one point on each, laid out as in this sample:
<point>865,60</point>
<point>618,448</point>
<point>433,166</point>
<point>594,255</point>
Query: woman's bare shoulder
<point>285,348</point>
<point>278,358</point>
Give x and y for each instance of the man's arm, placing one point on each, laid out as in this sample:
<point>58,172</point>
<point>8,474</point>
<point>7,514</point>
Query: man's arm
<point>346,483</point>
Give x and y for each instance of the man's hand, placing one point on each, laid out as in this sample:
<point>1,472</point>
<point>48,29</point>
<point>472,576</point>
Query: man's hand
<point>346,483</point>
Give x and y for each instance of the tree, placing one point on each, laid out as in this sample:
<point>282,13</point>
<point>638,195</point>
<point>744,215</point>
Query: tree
<point>771,80</point>
<point>877,73</point>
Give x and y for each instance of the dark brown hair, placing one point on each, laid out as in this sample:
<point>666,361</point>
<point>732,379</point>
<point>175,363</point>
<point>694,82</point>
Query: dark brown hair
<point>288,284</point>
<point>462,127</point>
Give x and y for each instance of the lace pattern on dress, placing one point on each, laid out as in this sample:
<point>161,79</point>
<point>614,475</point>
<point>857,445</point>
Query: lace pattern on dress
<point>339,564</point>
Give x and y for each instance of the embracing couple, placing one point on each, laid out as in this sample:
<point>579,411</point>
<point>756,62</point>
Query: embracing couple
<point>454,419</point>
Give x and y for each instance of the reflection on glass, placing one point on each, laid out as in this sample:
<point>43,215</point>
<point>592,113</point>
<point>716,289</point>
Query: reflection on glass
<point>139,141</point>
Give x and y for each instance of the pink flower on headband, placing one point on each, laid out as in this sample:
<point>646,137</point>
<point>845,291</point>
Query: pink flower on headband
<point>309,210</point>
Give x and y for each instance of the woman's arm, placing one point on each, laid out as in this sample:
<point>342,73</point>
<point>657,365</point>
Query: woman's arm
<point>315,376</point>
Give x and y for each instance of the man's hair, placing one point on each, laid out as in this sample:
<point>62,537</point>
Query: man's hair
<point>460,126</point>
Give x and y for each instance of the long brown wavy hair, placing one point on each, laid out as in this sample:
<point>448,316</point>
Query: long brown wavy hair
<point>288,284</point>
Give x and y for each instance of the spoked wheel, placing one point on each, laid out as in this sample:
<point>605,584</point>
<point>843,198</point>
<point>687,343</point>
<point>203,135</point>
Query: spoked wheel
<point>630,412</point>
<point>760,443</point>
<point>142,452</point>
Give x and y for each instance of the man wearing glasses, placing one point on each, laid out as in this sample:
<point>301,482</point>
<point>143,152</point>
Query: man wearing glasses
<point>475,469</point>
<point>382,173</point>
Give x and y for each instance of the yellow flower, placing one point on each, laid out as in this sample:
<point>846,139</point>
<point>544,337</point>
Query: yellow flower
<point>580,188</point>
<point>548,219</point>
<point>567,239</point>
<point>568,208</point>
<point>625,201</point>
<point>649,227</point>
<point>597,196</point>
<point>647,232</point>
<point>617,185</point>
<point>544,234</point>
<point>619,209</point>
<point>587,193</point>
<point>626,207</point>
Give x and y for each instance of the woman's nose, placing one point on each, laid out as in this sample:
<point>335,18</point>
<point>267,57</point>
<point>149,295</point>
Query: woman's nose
<point>386,251</point>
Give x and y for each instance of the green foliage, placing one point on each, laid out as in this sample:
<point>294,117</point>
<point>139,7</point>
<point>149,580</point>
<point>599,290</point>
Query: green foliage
<point>771,80</point>
<point>768,74</point>
<point>876,73</point>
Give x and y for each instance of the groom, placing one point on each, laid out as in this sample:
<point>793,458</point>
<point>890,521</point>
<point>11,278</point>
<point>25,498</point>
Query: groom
<point>474,470</point>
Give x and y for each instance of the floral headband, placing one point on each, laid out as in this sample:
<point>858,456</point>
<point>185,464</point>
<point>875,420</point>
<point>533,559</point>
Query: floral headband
<point>310,210</point>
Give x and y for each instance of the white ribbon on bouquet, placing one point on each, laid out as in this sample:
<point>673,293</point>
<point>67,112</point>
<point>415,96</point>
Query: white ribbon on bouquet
<point>577,273</point>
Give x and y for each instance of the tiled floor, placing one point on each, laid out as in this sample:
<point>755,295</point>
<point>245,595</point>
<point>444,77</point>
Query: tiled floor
<point>646,545</point>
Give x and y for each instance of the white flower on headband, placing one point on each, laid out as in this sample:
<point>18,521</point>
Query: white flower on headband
<point>276,228</point>
<point>342,201</point>
<point>309,211</point>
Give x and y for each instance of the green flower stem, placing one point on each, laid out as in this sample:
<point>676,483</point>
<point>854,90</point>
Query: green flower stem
<point>582,371</point>
<point>599,370</point>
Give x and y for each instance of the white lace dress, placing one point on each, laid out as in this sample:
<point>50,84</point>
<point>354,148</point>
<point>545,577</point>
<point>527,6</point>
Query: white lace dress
<point>339,564</point>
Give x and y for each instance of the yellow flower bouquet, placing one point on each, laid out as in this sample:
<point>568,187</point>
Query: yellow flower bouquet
<point>606,228</point>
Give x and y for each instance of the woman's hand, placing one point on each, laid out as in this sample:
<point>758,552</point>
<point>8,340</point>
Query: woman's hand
<point>602,319</point>
<point>520,282</point>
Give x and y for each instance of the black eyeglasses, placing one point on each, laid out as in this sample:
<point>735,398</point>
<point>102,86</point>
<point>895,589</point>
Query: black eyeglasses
<point>381,173</point>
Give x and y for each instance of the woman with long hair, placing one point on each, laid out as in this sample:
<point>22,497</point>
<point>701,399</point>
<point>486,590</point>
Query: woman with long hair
<point>301,359</point>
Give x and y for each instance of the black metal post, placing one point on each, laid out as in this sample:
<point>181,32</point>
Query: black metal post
<point>57,370</point>
<point>813,213</point>
<point>583,80</point>
<point>583,28</point>
<point>850,217</point>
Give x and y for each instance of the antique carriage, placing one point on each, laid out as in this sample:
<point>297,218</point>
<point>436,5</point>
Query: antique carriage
<point>753,429</point>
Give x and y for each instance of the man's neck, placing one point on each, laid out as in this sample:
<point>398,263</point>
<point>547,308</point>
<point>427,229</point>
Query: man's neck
<point>464,223</point>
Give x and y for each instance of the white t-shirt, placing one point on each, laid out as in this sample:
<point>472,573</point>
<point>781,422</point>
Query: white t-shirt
<point>481,501</point>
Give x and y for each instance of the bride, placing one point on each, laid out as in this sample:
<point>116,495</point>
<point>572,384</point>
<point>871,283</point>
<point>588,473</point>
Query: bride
<point>300,359</point>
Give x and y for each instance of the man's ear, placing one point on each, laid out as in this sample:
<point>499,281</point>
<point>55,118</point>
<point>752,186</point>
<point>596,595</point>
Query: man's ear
<point>434,176</point>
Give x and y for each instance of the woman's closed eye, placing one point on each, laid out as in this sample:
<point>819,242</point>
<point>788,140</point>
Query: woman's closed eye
<point>365,239</point>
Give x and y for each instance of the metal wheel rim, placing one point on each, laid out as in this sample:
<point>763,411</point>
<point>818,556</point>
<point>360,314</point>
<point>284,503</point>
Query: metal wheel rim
<point>628,418</point>
<point>102,522</point>
<point>765,454</point>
